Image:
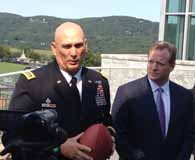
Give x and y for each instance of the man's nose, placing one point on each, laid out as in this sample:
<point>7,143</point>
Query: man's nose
<point>73,51</point>
<point>154,66</point>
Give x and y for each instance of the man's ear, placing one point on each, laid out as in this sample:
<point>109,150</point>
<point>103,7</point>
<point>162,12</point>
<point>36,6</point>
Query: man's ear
<point>86,45</point>
<point>172,65</point>
<point>53,47</point>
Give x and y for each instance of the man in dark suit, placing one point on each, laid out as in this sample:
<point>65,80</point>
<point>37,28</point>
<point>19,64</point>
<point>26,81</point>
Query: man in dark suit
<point>193,92</point>
<point>80,96</point>
<point>153,115</point>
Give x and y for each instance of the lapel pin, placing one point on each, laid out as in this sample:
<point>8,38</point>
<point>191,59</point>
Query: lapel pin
<point>59,81</point>
<point>89,81</point>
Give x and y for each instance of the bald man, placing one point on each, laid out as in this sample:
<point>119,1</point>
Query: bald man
<point>51,87</point>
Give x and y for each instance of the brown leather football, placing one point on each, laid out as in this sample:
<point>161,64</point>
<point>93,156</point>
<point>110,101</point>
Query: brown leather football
<point>98,138</point>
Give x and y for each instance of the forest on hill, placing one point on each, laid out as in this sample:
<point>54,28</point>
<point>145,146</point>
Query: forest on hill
<point>114,34</point>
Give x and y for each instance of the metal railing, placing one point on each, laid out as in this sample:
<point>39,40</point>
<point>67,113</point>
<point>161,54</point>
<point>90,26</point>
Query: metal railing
<point>5,95</point>
<point>7,85</point>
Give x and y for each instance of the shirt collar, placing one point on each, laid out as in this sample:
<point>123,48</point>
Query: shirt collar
<point>155,86</point>
<point>68,77</point>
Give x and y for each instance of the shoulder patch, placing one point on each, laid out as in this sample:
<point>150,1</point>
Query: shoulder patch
<point>29,75</point>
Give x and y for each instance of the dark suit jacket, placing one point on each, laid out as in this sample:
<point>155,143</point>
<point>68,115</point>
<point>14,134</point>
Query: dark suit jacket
<point>49,88</point>
<point>193,92</point>
<point>138,128</point>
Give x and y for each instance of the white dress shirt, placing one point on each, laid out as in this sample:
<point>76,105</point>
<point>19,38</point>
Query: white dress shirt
<point>68,78</point>
<point>165,97</point>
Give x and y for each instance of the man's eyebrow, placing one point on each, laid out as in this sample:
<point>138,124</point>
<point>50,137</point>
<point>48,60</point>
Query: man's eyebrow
<point>79,44</point>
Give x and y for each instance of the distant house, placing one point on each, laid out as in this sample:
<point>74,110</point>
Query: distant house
<point>23,58</point>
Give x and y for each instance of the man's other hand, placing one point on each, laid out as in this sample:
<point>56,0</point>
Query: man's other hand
<point>72,149</point>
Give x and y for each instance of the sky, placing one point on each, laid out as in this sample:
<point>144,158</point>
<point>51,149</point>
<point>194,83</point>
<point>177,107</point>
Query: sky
<point>146,9</point>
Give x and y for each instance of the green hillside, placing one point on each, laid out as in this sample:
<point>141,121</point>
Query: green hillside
<point>114,34</point>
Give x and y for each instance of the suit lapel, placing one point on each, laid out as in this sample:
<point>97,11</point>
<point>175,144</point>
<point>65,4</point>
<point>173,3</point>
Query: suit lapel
<point>61,86</point>
<point>174,102</point>
<point>88,89</point>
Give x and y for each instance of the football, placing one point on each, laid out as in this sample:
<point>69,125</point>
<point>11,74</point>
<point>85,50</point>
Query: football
<point>98,138</point>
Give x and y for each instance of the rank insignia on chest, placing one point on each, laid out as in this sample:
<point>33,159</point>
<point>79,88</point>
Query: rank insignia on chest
<point>48,104</point>
<point>100,97</point>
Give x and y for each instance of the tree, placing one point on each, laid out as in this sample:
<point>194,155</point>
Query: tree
<point>35,56</point>
<point>92,59</point>
<point>4,51</point>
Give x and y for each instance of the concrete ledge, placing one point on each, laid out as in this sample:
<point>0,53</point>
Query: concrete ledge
<point>122,68</point>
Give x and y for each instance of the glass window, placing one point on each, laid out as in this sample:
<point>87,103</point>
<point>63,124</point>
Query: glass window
<point>193,5</point>
<point>191,47</point>
<point>174,29</point>
<point>176,5</point>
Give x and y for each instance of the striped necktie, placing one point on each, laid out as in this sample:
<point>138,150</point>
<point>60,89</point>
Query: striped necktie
<point>161,110</point>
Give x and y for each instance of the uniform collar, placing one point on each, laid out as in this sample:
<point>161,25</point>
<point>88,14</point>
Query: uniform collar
<point>68,77</point>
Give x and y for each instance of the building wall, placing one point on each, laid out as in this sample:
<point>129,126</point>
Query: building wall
<point>177,25</point>
<point>119,69</point>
